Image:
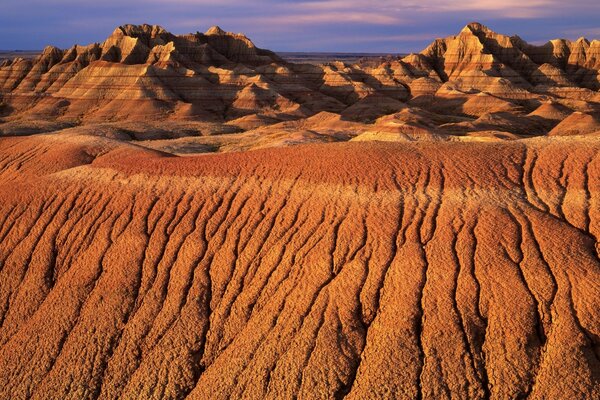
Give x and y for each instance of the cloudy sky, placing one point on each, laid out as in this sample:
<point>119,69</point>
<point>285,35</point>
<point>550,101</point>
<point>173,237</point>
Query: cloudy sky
<point>392,26</point>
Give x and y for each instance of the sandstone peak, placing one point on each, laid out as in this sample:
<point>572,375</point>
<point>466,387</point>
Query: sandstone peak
<point>215,30</point>
<point>50,49</point>
<point>475,27</point>
<point>140,30</point>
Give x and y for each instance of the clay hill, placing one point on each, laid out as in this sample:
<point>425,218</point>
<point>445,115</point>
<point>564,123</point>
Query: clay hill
<point>194,217</point>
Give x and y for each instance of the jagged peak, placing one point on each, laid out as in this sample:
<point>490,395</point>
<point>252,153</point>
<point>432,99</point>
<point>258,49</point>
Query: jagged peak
<point>475,27</point>
<point>139,30</point>
<point>50,53</point>
<point>50,49</point>
<point>218,31</point>
<point>215,30</point>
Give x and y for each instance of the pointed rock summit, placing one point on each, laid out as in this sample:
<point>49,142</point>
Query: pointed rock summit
<point>475,27</point>
<point>140,30</point>
<point>215,30</point>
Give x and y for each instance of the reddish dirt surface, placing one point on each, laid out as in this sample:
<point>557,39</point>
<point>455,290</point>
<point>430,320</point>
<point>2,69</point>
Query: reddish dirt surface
<point>446,247</point>
<point>352,270</point>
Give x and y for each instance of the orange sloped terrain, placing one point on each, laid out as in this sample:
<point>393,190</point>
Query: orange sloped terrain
<point>191,216</point>
<point>350,270</point>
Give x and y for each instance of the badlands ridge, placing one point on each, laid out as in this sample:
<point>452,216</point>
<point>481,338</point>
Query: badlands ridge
<point>146,84</point>
<point>194,217</point>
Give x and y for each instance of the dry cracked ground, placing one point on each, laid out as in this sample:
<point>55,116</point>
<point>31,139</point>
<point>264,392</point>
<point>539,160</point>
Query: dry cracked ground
<point>349,270</point>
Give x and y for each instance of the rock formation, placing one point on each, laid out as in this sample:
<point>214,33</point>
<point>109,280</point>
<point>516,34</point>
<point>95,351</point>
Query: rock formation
<point>145,72</point>
<point>445,247</point>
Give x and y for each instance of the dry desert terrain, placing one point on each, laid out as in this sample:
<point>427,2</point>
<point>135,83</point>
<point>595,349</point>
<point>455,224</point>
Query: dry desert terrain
<point>194,217</point>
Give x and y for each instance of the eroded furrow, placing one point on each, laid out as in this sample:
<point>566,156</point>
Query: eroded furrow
<point>428,272</point>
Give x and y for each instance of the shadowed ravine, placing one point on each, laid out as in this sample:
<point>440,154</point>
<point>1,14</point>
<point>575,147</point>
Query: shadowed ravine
<point>350,270</point>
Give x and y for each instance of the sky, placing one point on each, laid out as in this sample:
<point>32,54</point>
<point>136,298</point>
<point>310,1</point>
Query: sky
<point>377,26</point>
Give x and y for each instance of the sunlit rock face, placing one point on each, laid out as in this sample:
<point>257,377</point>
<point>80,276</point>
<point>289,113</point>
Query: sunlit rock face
<point>219,76</point>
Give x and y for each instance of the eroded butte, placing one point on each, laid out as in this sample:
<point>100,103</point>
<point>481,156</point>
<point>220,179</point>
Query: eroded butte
<point>415,228</point>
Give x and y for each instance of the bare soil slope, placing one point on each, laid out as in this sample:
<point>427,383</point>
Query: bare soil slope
<point>351,270</point>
